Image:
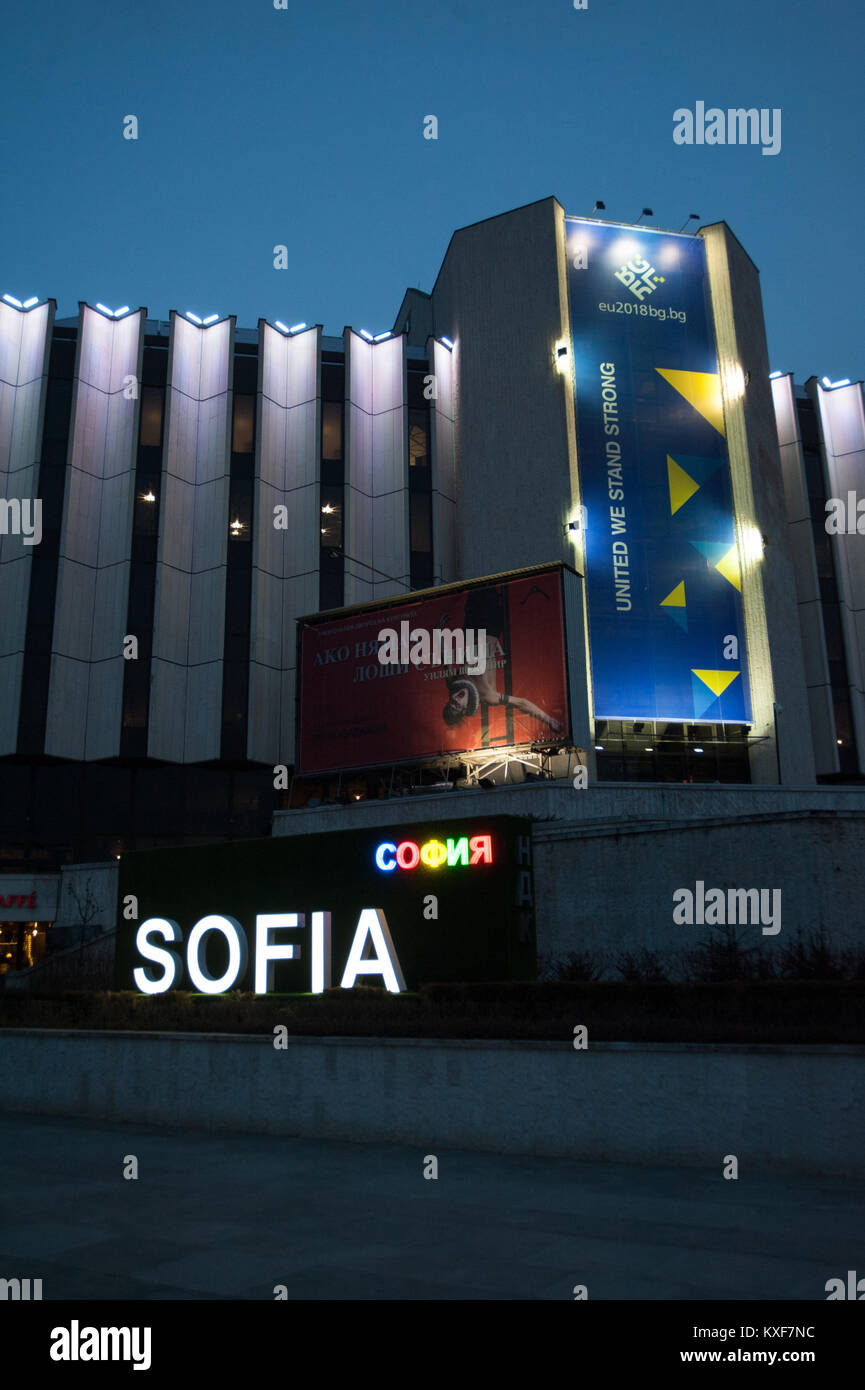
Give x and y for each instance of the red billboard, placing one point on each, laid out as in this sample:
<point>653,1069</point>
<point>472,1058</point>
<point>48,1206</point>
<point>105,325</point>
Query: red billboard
<point>506,685</point>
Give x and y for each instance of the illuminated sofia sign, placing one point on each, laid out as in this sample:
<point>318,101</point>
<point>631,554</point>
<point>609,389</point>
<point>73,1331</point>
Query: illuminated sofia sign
<point>371,929</point>
<point>435,853</point>
<point>394,905</point>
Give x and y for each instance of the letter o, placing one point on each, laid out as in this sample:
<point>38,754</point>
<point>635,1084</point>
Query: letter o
<point>198,972</point>
<point>433,853</point>
<point>408,855</point>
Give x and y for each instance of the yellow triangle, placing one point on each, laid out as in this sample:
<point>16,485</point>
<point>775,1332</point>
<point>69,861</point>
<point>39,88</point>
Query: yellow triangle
<point>728,565</point>
<point>702,390</point>
<point>717,681</point>
<point>676,599</point>
<point>682,485</point>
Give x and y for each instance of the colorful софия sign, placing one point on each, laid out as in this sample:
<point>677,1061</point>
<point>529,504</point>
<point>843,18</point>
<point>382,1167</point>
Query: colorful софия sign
<point>666,623</point>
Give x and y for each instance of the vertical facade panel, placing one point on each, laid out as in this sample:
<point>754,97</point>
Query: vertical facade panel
<point>807,583</point>
<point>85,695</point>
<point>443,445</point>
<point>768,584</point>
<point>377,469</point>
<point>189,613</point>
<point>24,351</point>
<point>359,587</point>
<point>842,425</point>
<point>285,570</point>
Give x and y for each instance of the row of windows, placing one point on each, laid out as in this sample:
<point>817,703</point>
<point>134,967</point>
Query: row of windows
<point>58,813</point>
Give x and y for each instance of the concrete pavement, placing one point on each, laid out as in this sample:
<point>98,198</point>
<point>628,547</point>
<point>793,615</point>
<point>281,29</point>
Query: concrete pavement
<point>229,1216</point>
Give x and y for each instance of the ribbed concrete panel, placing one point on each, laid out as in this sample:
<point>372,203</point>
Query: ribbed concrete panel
<point>377,498</point>
<point>807,584</point>
<point>24,349</point>
<point>358,474</point>
<point>842,424</point>
<point>85,696</point>
<point>769,597</point>
<point>189,616</point>
<point>444,480</point>
<point>501,299</point>
<point>285,570</point>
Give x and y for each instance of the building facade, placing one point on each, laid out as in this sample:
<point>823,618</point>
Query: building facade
<point>177,494</point>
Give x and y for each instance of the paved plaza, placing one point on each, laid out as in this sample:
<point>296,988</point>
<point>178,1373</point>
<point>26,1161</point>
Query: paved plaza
<point>229,1216</point>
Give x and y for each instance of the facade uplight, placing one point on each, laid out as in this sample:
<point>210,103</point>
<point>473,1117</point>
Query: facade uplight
<point>16,303</point>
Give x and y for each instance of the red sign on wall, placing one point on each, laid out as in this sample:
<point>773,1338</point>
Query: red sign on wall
<point>511,687</point>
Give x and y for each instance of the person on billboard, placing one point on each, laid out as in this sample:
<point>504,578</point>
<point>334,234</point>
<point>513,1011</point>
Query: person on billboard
<point>468,693</point>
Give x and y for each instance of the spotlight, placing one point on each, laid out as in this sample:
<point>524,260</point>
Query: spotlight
<point>277,323</point>
<point>296,327</point>
<point>599,207</point>
<point>364,334</point>
<point>647,212</point>
<point>692,217</point>
<point>447,342</point>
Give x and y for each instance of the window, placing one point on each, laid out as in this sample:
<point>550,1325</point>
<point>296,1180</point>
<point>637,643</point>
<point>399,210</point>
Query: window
<point>152,407</point>
<point>331,429</point>
<point>243,433</point>
<point>331,516</point>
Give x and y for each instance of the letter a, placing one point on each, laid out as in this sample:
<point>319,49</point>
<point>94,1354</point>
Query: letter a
<point>683,134</point>
<point>372,923</point>
<point>835,520</point>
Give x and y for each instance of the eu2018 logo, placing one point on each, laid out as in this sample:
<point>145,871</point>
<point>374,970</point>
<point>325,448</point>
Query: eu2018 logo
<point>639,277</point>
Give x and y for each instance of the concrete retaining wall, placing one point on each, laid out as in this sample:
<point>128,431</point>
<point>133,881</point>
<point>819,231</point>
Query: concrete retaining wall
<point>608,859</point>
<point>777,1109</point>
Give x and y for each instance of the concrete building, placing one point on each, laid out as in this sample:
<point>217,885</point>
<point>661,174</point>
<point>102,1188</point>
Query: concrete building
<point>195,488</point>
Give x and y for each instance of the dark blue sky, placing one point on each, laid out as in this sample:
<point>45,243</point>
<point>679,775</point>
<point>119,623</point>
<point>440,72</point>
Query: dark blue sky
<point>304,127</point>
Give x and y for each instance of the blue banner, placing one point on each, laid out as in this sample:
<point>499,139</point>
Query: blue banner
<point>663,578</point>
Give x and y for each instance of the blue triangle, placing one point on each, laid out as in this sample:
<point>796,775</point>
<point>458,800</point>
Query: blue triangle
<point>700,469</point>
<point>712,550</point>
<point>679,615</point>
<point>703,697</point>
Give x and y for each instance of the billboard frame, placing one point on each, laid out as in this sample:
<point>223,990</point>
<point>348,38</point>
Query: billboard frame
<point>473,755</point>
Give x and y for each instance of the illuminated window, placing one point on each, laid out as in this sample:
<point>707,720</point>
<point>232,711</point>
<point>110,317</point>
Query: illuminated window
<point>331,429</point>
<point>243,434</point>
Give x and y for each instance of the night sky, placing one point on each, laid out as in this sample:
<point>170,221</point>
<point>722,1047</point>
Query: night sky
<point>304,127</point>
